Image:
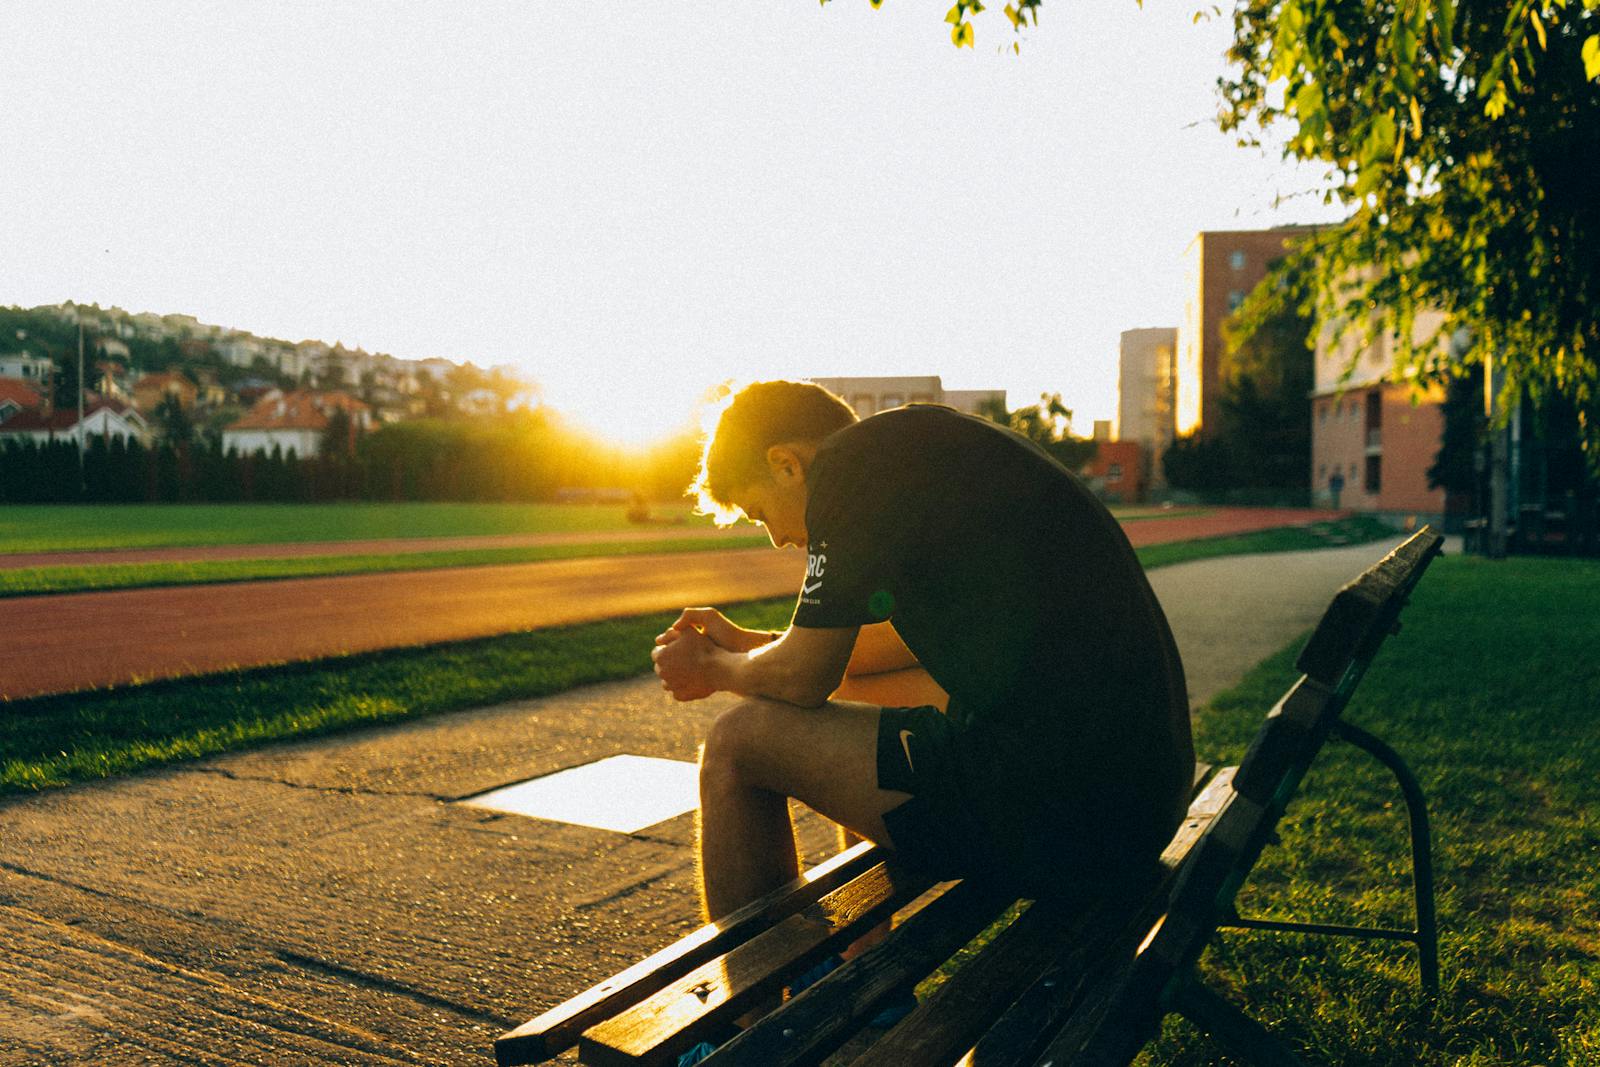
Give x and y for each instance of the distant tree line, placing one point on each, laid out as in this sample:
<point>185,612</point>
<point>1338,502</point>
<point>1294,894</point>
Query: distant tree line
<point>523,456</point>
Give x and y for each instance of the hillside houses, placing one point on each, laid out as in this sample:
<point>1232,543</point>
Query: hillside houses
<point>294,423</point>
<point>150,390</point>
<point>107,419</point>
<point>217,374</point>
<point>17,396</point>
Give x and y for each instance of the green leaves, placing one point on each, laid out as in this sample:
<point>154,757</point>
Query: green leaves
<point>960,29</point>
<point>1377,153</point>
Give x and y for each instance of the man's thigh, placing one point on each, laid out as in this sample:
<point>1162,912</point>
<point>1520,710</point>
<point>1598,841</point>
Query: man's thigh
<point>907,688</point>
<point>825,757</point>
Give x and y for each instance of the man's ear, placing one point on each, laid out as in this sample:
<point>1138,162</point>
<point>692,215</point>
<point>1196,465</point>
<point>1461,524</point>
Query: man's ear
<point>785,464</point>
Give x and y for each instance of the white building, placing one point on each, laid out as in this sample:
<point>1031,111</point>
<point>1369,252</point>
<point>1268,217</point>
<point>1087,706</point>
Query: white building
<point>868,396</point>
<point>108,419</point>
<point>294,423</point>
<point>242,350</point>
<point>37,371</point>
<point>1147,368</point>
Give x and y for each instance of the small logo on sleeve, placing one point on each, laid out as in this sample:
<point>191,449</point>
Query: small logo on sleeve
<point>816,563</point>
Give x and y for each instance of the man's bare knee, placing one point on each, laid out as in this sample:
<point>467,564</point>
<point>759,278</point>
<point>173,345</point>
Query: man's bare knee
<point>725,757</point>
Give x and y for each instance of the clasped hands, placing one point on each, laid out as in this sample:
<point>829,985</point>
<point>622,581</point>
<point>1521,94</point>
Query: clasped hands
<point>686,654</point>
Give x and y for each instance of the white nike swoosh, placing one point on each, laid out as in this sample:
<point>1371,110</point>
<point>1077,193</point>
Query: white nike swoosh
<point>905,743</point>
<point>812,588</point>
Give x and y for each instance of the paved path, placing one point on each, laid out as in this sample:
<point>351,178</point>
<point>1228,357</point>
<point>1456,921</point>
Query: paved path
<point>143,634</point>
<point>325,901</point>
<point>194,629</point>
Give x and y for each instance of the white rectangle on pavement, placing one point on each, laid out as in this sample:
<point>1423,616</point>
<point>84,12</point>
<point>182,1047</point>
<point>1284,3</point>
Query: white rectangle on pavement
<point>622,793</point>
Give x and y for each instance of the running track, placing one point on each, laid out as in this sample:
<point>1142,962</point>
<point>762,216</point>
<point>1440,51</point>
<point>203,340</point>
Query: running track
<point>76,641</point>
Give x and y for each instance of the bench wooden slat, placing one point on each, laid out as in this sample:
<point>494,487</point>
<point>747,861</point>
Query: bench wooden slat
<point>1015,1037</point>
<point>673,1019</point>
<point>825,1015</point>
<point>558,1029</point>
<point>1365,610</point>
<point>1293,731</point>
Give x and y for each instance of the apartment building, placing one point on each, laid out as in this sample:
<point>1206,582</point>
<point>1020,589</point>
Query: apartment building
<point>868,396</point>
<point>1222,267</point>
<point>1373,438</point>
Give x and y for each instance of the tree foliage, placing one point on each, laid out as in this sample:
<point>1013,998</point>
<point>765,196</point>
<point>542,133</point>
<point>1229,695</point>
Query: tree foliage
<point>1047,424</point>
<point>172,422</point>
<point>1020,13</point>
<point>1464,138</point>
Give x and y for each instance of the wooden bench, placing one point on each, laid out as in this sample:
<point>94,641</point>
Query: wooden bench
<point>1057,985</point>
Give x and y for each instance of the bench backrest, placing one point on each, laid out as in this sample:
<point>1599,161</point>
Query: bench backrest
<point>1336,658</point>
<point>1342,647</point>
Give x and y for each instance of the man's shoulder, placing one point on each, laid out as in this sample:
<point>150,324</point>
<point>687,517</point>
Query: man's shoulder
<point>904,426</point>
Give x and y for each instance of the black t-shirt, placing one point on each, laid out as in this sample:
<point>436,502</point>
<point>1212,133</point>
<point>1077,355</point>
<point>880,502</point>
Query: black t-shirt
<point>1015,588</point>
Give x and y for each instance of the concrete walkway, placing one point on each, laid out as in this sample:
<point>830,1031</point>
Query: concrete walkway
<point>325,902</point>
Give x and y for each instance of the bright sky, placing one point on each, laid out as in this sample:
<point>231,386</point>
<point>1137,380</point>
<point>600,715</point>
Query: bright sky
<point>632,202</point>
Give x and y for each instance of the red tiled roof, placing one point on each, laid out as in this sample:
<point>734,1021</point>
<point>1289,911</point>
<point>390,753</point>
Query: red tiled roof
<point>302,410</point>
<point>61,419</point>
<point>20,393</point>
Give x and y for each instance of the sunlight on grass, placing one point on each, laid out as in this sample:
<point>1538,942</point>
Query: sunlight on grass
<point>1490,693</point>
<point>64,528</point>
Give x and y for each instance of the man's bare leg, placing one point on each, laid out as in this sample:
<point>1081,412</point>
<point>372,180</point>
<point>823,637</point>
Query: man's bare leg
<point>757,755</point>
<point>910,687</point>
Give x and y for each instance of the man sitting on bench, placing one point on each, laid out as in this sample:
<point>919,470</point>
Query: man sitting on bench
<point>940,540</point>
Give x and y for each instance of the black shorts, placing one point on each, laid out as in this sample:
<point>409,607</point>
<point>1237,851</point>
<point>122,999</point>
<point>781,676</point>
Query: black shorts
<point>984,805</point>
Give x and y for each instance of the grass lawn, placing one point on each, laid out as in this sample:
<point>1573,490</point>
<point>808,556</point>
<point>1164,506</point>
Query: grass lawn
<point>1351,530</point>
<point>1492,694</point>
<point>51,741</point>
<point>65,528</point>
<point>31,581</point>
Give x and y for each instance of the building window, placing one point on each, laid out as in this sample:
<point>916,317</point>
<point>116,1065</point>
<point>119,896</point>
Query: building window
<point>892,401</point>
<point>1322,471</point>
<point>1235,298</point>
<point>1114,473</point>
<point>1236,260</point>
<point>1374,473</point>
<point>1322,412</point>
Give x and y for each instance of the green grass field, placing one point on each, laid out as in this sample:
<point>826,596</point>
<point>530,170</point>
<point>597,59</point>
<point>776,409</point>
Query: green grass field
<point>1490,693</point>
<point>33,581</point>
<point>52,741</point>
<point>66,528</point>
<point>70,528</point>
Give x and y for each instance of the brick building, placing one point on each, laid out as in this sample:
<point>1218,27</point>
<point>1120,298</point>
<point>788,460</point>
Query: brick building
<point>1223,266</point>
<point>1372,437</point>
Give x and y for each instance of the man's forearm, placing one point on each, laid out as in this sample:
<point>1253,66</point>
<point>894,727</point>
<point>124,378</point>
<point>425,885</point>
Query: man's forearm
<point>768,672</point>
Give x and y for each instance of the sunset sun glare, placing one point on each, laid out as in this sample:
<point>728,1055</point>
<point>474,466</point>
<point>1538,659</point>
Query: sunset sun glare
<point>633,412</point>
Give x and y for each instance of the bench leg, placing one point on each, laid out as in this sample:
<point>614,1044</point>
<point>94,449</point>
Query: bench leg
<point>1243,1037</point>
<point>1427,932</point>
<point>1425,935</point>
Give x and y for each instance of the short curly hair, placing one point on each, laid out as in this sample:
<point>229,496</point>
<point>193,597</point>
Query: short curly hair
<point>750,421</point>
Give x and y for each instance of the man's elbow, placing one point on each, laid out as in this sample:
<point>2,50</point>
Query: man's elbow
<point>809,691</point>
